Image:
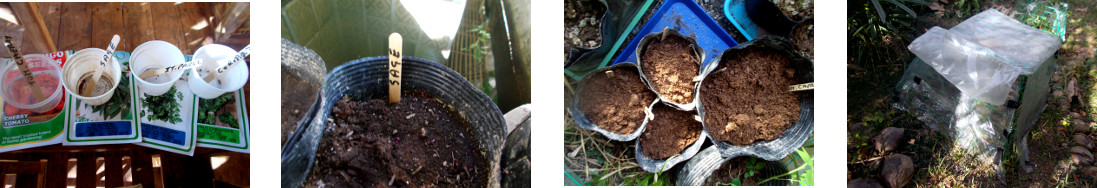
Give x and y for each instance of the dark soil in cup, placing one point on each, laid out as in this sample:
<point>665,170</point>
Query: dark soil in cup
<point>730,170</point>
<point>297,97</point>
<point>803,37</point>
<point>671,132</point>
<point>670,65</point>
<point>615,103</point>
<point>582,24</point>
<point>418,142</point>
<point>750,100</point>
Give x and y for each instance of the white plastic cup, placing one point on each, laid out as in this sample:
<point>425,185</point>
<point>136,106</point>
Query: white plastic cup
<point>84,62</point>
<point>214,56</point>
<point>46,73</point>
<point>151,55</point>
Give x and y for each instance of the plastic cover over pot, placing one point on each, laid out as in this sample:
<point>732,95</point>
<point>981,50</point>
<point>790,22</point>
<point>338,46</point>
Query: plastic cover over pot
<point>366,78</point>
<point>795,135</point>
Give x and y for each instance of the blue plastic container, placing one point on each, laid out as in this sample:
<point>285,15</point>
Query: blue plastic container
<point>687,18</point>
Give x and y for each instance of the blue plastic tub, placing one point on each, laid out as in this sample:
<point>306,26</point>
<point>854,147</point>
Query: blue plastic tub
<point>689,19</point>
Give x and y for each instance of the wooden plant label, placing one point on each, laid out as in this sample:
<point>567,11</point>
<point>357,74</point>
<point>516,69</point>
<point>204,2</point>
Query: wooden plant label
<point>801,87</point>
<point>27,75</point>
<point>396,44</point>
<point>173,68</point>
<point>239,57</point>
<point>93,81</point>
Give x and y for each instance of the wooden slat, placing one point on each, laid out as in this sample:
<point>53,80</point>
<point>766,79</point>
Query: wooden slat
<point>34,40</point>
<point>26,180</point>
<point>166,19</point>
<point>106,22</point>
<point>75,31</point>
<point>199,172</point>
<point>51,15</point>
<point>171,169</point>
<point>56,170</point>
<point>142,168</point>
<point>197,26</point>
<point>137,24</point>
<point>232,17</point>
<point>113,168</point>
<point>85,170</point>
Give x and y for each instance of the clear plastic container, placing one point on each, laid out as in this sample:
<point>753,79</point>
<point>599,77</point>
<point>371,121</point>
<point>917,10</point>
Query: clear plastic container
<point>47,74</point>
<point>214,56</point>
<point>152,55</point>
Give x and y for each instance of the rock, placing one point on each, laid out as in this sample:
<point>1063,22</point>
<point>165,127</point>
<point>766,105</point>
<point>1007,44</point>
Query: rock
<point>1081,151</point>
<point>864,183</point>
<point>1090,171</point>
<point>1075,115</point>
<point>1057,93</point>
<point>1081,126</point>
<point>1083,140</point>
<point>897,170</point>
<point>1080,160</point>
<point>888,140</point>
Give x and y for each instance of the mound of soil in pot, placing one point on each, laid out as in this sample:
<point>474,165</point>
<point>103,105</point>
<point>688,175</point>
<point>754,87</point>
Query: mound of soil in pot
<point>750,100</point>
<point>615,103</point>
<point>669,133</point>
<point>670,65</point>
<point>297,98</point>
<point>418,142</point>
<point>803,36</point>
<point>582,24</point>
<point>730,170</point>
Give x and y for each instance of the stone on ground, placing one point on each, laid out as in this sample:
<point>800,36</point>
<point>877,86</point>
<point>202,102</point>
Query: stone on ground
<point>888,140</point>
<point>897,170</point>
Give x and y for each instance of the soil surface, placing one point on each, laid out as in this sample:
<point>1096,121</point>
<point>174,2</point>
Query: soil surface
<point>803,37</point>
<point>732,169</point>
<point>669,133</point>
<point>670,65</point>
<point>582,24</point>
<point>417,142</point>
<point>297,96</point>
<point>796,9</point>
<point>615,103</point>
<point>750,100</point>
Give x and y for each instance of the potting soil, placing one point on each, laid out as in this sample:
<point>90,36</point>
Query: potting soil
<point>669,133</point>
<point>750,100</point>
<point>582,22</point>
<point>615,103</point>
<point>670,65</point>
<point>416,142</point>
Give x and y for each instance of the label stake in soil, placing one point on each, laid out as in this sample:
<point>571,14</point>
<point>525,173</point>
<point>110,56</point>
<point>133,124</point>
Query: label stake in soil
<point>802,87</point>
<point>158,71</point>
<point>396,45</point>
<point>27,75</point>
<point>239,57</point>
<point>93,81</point>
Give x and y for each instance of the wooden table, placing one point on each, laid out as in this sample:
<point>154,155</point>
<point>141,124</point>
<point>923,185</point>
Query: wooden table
<point>75,26</point>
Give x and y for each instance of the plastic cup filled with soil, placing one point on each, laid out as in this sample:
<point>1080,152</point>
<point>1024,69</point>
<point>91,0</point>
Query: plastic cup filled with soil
<point>583,24</point>
<point>418,141</point>
<point>803,37</point>
<point>78,72</point>
<point>670,137</point>
<point>746,99</point>
<point>214,56</point>
<point>612,100</point>
<point>19,93</point>
<point>670,62</point>
<point>156,55</point>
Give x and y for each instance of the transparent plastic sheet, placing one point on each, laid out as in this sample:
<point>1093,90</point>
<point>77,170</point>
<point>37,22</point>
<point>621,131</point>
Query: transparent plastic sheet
<point>976,126</point>
<point>984,54</point>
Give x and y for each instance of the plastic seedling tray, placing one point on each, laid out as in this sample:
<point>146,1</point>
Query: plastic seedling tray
<point>736,12</point>
<point>689,19</point>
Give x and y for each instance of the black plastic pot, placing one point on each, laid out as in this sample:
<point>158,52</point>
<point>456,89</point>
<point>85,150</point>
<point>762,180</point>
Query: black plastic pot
<point>304,65</point>
<point>794,136</point>
<point>767,16</point>
<point>660,165</point>
<point>706,162</point>
<point>585,57</point>
<point>808,22</point>
<point>366,78</point>
<point>581,119</point>
<point>697,51</point>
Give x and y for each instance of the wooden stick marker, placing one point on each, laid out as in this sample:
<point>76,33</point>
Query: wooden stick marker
<point>802,87</point>
<point>158,71</point>
<point>93,81</point>
<point>396,45</point>
<point>27,75</point>
<point>235,60</point>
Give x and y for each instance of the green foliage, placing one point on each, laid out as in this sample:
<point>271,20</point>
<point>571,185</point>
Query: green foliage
<point>164,107</point>
<point>481,47</point>
<point>753,167</point>
<point>207,109</point>
<point>874,30</point>
<point>648,179</point>
<point>119,102</point>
